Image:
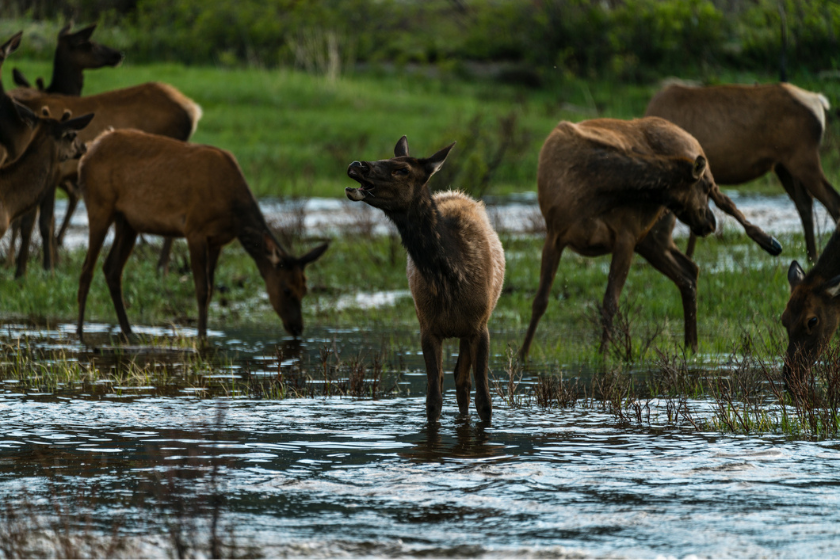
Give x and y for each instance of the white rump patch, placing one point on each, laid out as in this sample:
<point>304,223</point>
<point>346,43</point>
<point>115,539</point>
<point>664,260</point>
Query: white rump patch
<point>817,103</point>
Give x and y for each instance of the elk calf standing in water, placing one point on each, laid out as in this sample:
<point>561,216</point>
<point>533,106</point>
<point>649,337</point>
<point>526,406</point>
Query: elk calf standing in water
<point>456,266</point>
<point>144,183</point>
<point>813,311</point>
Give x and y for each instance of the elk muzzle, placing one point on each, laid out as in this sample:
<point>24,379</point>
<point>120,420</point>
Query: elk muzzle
<point>358,171</point>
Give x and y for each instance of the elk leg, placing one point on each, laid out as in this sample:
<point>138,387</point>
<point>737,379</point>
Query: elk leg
<point>804,203</point>
<point>14,229</point>
<point>619,267</point>
<point>766,242</point>
<point>462,376</point>
<point>480,357</point>
<point>199,260</point>
<point>433,357</point>
<point>665,257</point>
<point>165,254</point>
<point>96,237</point>
<point>552,251</point>
<point>27,223</point>
<point>72,202</point>
<point>124,238</point>
<point>46,223</point>
<point>692,243</point>
<point>810,175</point>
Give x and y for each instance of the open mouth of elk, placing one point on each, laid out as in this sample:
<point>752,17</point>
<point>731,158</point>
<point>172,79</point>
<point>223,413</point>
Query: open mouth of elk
<point>355,172</point>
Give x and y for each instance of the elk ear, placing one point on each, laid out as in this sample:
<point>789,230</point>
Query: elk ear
<point>401,149</point>
<point>40,83</point>
<point>19,79</point>
<point>79,122</point>
<point>65,30</point>
<point>434,163</point>
<point>795,275</point>
<point>699,167</point>
<point>832,287</point>
<point>83,35</point>
<point>276,254</point>
<point>314,254</point>
<point>26,115</point>
<point>11,45</point>
<point>45,111</point>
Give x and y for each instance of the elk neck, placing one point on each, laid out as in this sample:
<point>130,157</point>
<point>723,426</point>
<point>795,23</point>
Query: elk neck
<point>67,79</point>
<point>22,183</point>
<point>251,231</point>
<point>431,242</point>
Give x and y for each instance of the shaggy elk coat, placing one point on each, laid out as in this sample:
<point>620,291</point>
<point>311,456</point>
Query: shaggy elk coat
<point>144,183</point>
<point>456,266</point>
<point>603,186</point>
<point>747,131</point>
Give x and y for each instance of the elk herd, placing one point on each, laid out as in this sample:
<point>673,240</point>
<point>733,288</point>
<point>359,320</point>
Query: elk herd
<point>605,186</point>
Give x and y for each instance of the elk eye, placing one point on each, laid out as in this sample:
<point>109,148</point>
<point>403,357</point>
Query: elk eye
<point>812,322</point>
<point>402,171</point>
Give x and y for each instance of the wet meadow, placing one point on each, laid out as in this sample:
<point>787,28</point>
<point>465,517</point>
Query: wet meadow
<point>254,443</point>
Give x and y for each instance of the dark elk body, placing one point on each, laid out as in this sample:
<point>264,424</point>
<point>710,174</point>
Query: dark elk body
<point>813,310</point>
<point>604,186</point>
<point>747,131</point>
<point>456,266</point>
<point>144,183</point>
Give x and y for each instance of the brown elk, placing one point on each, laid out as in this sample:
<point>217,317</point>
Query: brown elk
<point>747,131</point>
<point>603,187</point>
<point>24,182</point>
<point>456,266</point>
<point>152,107</point>
<point>813,310</point>
<point>145,183</point>
<point>74,53</point>
<point>15,133</point>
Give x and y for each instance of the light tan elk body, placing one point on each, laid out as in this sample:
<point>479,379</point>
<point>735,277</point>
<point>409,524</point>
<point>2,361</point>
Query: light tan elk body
<point>74,53</point>
<point>603,186</point>
<point>152,107</point>
<point>24,183</point>
<point>144,183</point>
<point>747,131</point>
<point>456,267</point>
<point>813,311</point>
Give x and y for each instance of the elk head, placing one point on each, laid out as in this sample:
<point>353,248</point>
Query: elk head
<point>76,50</point>
<point>285,282</point>
<point>396,184</point>
<point>688,196</point>
<point>811,318</point>
<point>63,132</point>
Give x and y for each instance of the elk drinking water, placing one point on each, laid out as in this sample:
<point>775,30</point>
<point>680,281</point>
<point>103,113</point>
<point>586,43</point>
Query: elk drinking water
<point>144,183</point>
<point>456,266</point>
<point>603,186</point>
<point>747,131</point>
<point>812,313</point>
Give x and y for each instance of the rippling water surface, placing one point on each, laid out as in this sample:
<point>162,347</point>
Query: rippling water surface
<point>361,477</point>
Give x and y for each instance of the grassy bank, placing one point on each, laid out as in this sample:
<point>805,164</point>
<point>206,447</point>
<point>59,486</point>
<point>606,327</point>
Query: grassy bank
<point>295,133</point>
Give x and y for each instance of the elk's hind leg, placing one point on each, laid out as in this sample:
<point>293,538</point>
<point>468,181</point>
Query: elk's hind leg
<point>96,237</point>
<point>26,223</point>
<point>46,224</point>
<point>462,376</point>
<point>124,238</point>
<point>804,203</point>
<point>622,258</point>
<point>659,249</point>
<point>551,253</point>
<point>480,348</point>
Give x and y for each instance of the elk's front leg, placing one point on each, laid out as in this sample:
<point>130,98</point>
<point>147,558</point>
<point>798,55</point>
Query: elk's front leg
<point>431,346</point>
<point>462,376</point>
<point>480,357</point>
<point>619,267</point>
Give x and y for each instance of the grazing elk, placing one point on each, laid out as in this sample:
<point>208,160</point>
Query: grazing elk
<point>603,186</point>
<point>24,182</point>
<point>151,107</point>
<point>145,183</point>
<point>747,131</point>
<point>74,53</point>
<point>813,310</point>
<point>456,266</point>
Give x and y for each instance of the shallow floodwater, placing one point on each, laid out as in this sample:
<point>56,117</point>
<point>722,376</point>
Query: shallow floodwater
<point>361,477</point>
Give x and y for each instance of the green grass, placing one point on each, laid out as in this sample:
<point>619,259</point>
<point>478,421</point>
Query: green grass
<point>295,133</point>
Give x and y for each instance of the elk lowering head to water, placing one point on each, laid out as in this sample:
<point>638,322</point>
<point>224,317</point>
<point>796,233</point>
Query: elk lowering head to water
<point>74,53</point>
<point>603,186</point>
<point>144,183</point>
<point>24,182</point>
<point>747,131</point>
<point>813,310</point>
<point>456,266</point>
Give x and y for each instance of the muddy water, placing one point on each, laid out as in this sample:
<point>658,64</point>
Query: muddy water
<point>360,477</point>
